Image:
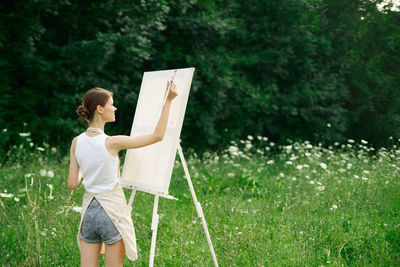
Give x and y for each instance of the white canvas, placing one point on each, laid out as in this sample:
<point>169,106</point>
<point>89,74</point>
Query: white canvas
<point>149,168</point>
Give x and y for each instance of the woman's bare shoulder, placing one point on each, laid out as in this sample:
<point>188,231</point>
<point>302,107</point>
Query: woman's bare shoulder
<point>113,143</point>
<point>73,143</point>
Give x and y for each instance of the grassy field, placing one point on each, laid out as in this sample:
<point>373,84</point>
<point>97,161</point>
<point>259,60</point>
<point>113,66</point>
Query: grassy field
<point>294,205</point>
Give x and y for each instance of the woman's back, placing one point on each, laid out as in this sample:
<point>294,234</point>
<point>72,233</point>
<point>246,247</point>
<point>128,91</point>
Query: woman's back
<point>100,169</point>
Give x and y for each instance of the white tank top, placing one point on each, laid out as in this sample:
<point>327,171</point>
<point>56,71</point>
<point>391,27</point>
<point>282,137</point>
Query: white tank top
<point>100,169</point>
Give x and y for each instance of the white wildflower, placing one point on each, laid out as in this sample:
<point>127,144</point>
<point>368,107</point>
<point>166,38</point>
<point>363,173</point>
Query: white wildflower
<point>16,199</point>
<point>294,179</point>
<point>336,143</point>
<point>50,174</point>
<point>323,165</point>
<point>24,134</point>
<point>334,206</point>
<point>28,175</point>
<point>272,144</point>
<point>356,176</point>
<point>350,141</point>
<point>40,148</point>
<point>349,165</point>
<point>245,156</point>
<point>320,188</point>
<point>43,172</point>
<point>365,171</point>
<point>233,149</point>
<point>328,125</point>
<point>289,162</point>
<point>250,137</point>
<point>265,138</point>
<point>6,195</point>
<point>269,162</point>
<point>282,174</point>
<point>51,191</point>
<point>364,178</point>
<point>77,209</point>
<point>299,167</point>
<point>312,182</point>
<point>364,142</point>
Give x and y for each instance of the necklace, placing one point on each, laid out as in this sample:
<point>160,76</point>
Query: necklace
<point>93,129</point>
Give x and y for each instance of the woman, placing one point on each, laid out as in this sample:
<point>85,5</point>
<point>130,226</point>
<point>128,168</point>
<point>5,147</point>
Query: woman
<point>106,218</point>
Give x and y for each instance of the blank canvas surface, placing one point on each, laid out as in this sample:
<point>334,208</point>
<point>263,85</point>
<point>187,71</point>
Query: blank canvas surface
<point>150,168</point>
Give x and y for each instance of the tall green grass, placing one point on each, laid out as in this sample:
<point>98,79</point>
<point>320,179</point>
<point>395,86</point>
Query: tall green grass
<point>293,205</point>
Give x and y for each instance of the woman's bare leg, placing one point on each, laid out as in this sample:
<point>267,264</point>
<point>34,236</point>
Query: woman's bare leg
<point>115,254</point>
<point>89,254</point>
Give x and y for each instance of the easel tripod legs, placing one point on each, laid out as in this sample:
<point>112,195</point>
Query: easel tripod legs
<point>154,225</point>
<point>198,206</point>
<point>155,218</point>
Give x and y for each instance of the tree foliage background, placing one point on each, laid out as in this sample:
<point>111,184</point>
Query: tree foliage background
<point>276,68</point>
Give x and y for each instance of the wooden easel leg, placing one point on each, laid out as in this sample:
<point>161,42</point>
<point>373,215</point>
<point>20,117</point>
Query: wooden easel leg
<point>198,206</point>
<point>154,225</point>
<point>131,198</point>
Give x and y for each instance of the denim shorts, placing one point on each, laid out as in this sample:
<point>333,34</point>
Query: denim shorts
<point>97,226</point>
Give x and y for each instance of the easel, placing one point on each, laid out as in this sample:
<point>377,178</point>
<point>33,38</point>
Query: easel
<point>155,218</point>
<point>157,190</point>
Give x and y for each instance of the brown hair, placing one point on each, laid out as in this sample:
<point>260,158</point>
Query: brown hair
<point>93,97</point>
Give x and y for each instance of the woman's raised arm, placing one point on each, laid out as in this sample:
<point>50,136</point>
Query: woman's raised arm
<point>120,142</point>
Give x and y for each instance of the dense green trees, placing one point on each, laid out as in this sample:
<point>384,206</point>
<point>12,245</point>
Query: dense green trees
<point>283,69</point>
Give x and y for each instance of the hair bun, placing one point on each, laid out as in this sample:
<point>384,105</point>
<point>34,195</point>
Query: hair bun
<point>83,112</point>
<point>92,98</point>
